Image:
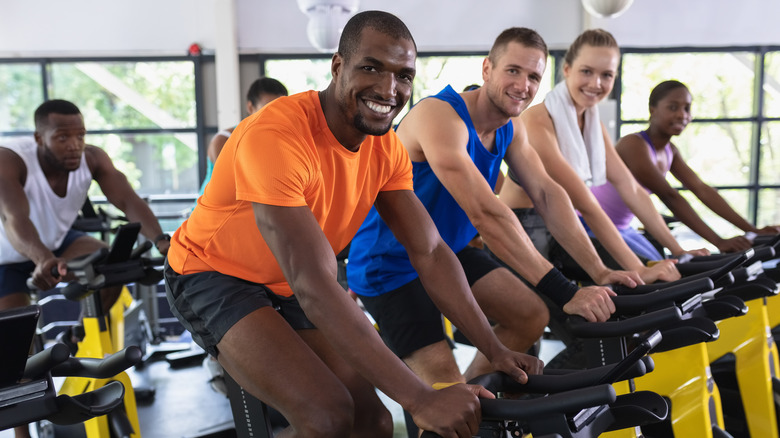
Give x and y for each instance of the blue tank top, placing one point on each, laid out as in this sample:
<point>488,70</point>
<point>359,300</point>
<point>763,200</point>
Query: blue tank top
<point>377,262</point>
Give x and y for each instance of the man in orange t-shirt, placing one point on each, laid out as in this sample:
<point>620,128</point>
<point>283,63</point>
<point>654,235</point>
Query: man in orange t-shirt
<point>252,273</point>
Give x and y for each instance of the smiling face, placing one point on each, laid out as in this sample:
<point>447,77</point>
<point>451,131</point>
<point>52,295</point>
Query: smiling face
<point>512,81</point>
<point>591,76</point>
<point>61,141</point>
<point>373,83</point>
<point>672,113</point>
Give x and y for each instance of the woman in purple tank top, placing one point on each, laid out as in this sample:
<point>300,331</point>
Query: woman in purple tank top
<point>650,155</point>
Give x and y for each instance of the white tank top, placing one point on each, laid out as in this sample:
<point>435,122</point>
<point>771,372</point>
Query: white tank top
<point>52,215</point>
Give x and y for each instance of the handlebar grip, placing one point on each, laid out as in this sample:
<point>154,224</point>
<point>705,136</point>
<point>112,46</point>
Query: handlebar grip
<point>41,362</point>
<point>140,249</point>
<point>55,272</point>
<point>569,401</point>
<point>610,329</point>
<point>629,304</point>
<point>99,368</point>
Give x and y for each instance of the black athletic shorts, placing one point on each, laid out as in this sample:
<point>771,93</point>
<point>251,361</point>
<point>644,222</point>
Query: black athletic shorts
<point>407,318</point>
<point>209,303</point>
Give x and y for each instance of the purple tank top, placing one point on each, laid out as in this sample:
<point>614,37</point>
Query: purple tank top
<point>610,199</point>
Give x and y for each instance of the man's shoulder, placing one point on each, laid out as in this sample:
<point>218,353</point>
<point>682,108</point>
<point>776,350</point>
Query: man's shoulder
<point>19,143</point>
<point>298,112</point>
<point>19,149</point>
<point>432,113</point>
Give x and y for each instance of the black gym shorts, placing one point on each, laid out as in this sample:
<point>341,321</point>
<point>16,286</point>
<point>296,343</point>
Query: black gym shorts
<point>209,303</point>
<point>407,318</point>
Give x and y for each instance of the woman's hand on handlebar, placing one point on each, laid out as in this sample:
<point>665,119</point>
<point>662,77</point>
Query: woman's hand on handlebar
<point>594,303</point>
<point>769,230</point>
<point>48,273</point>
<point>517,365</point>
<point>734,244</point>
<point>694,252</point>
<point>453,411</point>
<point>662,270</point>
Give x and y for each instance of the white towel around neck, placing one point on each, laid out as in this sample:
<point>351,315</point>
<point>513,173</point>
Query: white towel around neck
<point>583,151</point>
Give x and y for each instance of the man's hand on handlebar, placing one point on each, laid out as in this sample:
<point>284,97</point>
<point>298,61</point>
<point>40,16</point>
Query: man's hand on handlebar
<point>594,303</point>
<point>163,246</point>
<point>662,270</point>
<point>49,273</point>
<point>517,365</point>
<point>453,411</point>
<point>626,278</point>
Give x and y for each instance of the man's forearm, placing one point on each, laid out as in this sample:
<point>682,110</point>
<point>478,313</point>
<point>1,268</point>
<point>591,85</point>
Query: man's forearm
<point>507,239</point>
<point>446,284</point>
<point>343,323</point>
<point>139,211</point>
<point>567,229</point>
<point>25,239</point>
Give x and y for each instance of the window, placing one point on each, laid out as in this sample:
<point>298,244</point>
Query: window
<point>21,91</point>
<point>732,141</point>
<point>142,112</point>
<point>434,72</point>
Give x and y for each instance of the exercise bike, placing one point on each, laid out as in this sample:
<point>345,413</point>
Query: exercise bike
<point>119,265</point>
<point>745,358</point>
<point>27,390</point>
<point>693,397</point>
<point>574,403</point>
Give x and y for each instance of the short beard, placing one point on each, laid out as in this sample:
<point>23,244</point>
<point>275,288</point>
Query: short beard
<point>360,124</point>
<point>499,107</point>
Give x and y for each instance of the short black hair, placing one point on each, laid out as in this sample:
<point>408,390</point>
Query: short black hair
<point>380,21</point>
<point>265,85</point>
<point>661,90</point>
<point>54,106</point>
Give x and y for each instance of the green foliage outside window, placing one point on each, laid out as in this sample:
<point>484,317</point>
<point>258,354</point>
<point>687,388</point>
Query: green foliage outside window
<point>21,91</point>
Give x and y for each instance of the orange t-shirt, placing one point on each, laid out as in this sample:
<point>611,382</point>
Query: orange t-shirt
<point>284,155</point>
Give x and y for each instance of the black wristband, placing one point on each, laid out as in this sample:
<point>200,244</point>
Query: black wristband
<point>163,236</point>
<point>557,287</point>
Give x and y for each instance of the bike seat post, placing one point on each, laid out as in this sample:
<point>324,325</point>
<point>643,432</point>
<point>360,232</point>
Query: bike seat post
<point>249,414</point>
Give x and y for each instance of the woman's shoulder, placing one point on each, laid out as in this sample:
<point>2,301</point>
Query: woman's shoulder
<point>537,114</point>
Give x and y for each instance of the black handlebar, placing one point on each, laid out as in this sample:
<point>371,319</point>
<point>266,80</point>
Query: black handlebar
<point>631,304</point>
<point>625,327</point>
<point>99,368</point>
<point>520,410</point>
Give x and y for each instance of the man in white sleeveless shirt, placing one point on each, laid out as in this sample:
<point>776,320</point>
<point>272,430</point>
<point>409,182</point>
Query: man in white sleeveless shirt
<point>43,185</point>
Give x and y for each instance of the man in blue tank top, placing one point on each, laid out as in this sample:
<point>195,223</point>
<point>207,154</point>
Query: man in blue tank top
<point>456,143</point>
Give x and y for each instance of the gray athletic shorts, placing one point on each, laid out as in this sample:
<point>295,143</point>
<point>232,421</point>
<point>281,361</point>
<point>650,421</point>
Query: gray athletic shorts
<point>208,304</point>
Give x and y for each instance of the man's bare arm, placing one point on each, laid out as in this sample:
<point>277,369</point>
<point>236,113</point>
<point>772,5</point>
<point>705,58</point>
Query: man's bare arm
<point>309,265</point>
<point>120,193</point>
<point>444,280</point>
<point>436,132</point>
